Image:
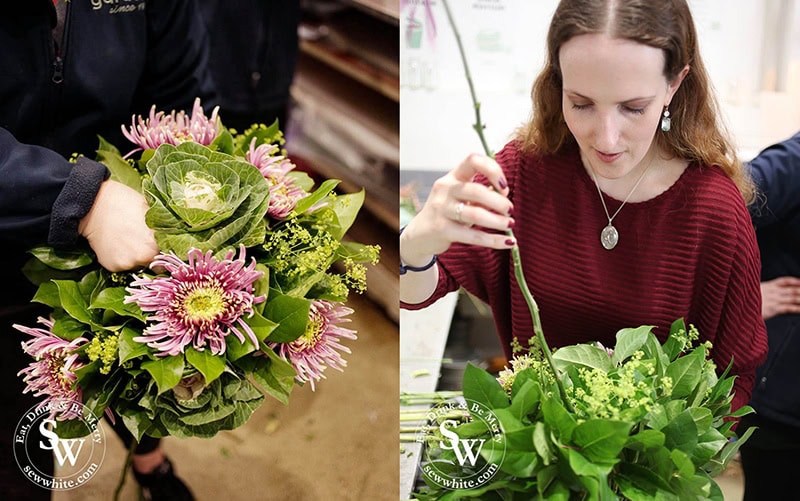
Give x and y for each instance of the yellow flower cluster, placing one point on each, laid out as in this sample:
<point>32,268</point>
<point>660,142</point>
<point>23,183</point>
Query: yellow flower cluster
<point>627,393</point>
<point>104,349</point>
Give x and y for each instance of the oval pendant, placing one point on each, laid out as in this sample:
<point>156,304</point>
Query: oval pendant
<point>609,237</point>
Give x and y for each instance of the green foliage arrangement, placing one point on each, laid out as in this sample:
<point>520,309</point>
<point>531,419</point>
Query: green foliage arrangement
<point>644,422</point>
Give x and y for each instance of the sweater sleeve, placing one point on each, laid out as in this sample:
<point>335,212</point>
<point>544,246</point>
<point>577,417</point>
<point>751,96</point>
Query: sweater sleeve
<point>38,183</point>
<point>741,334</point>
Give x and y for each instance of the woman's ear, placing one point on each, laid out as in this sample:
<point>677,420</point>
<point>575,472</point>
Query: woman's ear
<point>672,87</point>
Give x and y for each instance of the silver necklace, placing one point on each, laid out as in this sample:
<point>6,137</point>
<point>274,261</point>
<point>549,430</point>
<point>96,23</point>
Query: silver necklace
<point>609,237</point>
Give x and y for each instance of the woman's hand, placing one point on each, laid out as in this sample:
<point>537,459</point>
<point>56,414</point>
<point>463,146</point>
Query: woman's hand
<point>116,230</point>
<point>460,210</point>
<point>780,296</point>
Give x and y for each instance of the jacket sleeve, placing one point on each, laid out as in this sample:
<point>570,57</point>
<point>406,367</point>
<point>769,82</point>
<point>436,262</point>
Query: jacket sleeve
<point>42,195</point>
<point>177,69</point>
<point>773,171</point>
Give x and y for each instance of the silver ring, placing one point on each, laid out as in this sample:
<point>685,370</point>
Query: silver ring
<point>459,210</point>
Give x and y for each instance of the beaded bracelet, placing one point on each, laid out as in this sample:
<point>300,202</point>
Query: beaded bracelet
<point>405,268</point>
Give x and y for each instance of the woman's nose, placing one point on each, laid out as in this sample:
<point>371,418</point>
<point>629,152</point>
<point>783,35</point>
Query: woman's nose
<point>606,133</point>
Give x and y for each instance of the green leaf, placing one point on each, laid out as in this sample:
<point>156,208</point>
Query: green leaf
<point>235,349</point>
<point>556,415</point>
<point>636,481</point>
<point>582,355</point>
<point>686,372</point>
<point>672,348</point>
<point>525,400</point>
<point>320,193</point>
<point>273,375</point>
<point>729,451</point>
<point>121,171</point>
<point>291,313</point>
<point>127,348</point>
<point>137,422</point>
<point>66,327</point>
<point>508,421</point>
<point>630,341</point>
<point>541,443</point>
<point>601,440</point>
<point>708,445</point>
<point>262,327</point>
<point>681,433</point>
<point>683,463</point>
<point>583,466</point>
<point>47,294</point>
<point>166,371</point>
<point>346,208</point>
<point>60,259</point>
<point>645,439</point>
<point>480,386</point>
<point>73,302</point>
<point>210,366</point>
<point>519,459</point>
<point>112,299</point>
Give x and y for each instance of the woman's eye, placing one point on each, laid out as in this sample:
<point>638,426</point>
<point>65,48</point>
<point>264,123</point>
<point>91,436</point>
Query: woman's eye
<point>635,111</point>
<point>580,106</point>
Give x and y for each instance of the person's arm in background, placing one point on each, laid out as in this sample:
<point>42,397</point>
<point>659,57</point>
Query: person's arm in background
<point>46,199</point>
<point>776,173</point>
<point>773,171</point>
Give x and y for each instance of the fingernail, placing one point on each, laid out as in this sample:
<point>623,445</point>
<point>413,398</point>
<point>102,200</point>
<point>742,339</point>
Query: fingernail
<point>502,183</point>
<point>511,222</point>
<point>510,242</point>
<point>511,211</point>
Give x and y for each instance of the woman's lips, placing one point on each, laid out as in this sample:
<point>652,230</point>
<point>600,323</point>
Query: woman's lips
<point>607,157</point>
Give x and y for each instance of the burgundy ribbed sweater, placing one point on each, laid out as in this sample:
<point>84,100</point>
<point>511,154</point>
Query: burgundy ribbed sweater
<point>690,252</point>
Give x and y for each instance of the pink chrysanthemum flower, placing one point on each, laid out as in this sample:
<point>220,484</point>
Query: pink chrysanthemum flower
<point>316,349</point>
<point>52,374</point>
<point>173,129</point>
<point>283,191</point>
<point>199,304</point>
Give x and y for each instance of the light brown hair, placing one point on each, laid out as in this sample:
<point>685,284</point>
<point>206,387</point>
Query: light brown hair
<point>697,133</point>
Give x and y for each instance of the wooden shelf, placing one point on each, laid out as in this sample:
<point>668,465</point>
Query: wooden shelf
<point>345,123</point>
<point>354,67</point>
<point>387,10</point>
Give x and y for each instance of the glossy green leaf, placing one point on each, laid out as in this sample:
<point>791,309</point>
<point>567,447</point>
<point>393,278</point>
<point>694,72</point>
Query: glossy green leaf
<point>166,371</point>
<point>582,355</point>
<point>210,366</point>
<point>480,386</point>
<point>601,440</point>
<point>291,315</point>
<point>629,341</point>
<point>127,348</point>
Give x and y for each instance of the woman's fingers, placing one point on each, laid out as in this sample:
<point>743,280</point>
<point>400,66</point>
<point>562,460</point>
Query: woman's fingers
<point>480,164</point>
<point>459,209</point>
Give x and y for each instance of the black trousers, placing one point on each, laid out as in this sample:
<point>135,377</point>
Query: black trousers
<point>770,460</point>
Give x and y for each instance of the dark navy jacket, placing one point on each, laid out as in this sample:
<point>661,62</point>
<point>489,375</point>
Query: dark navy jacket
<point>776,215</point>
<point>116,59</point>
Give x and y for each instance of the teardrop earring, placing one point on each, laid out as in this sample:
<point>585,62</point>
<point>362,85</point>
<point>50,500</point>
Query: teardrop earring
<point>666,121</point>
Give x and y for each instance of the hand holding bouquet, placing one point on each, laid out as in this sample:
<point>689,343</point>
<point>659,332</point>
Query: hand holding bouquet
<point>243,302</point>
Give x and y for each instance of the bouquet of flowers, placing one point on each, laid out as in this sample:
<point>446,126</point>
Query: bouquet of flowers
<point>641,421</point>
<point>242,303</point>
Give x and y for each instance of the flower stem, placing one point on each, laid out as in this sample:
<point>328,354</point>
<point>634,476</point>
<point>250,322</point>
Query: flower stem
<point>518,273</point>
<point>124,474</point>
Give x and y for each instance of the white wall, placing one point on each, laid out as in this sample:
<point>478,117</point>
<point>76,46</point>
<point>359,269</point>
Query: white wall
<point>751,49</point>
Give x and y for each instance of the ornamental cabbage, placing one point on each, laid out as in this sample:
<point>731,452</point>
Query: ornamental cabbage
<point>204,199</point>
